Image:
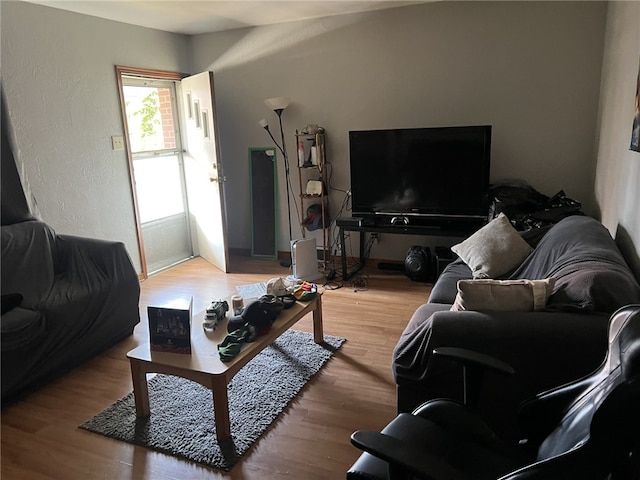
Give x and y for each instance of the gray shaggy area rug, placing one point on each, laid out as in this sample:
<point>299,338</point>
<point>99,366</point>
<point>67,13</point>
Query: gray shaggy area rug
<point>181,421</point>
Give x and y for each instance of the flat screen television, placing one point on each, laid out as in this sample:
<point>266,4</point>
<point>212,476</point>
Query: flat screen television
<point>422,175</point>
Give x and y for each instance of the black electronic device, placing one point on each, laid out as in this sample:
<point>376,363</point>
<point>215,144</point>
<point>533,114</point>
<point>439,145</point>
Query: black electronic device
<point>417,264</point>
<point>443,257</point>
<point>423,176</point>
<point>349,221</point>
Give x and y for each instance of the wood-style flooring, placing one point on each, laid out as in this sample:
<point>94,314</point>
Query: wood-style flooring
<point>310,440</point>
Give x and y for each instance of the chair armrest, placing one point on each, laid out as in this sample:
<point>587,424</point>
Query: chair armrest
<point>474,364</point>
<point>404,456</point>
<point>470,357</point>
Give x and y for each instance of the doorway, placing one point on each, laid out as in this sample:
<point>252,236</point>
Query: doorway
<point>158,171</point>
<point>179,203</point>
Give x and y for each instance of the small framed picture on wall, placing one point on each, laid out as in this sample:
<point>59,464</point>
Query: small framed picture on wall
<point>635,132</point>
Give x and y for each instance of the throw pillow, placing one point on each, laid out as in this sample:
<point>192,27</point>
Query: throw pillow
<point>505,295</point>
<point>493,250</point>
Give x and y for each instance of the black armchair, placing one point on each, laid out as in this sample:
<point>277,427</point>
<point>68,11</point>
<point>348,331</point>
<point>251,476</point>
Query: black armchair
<point>64,298</point>
<point>587,429</point>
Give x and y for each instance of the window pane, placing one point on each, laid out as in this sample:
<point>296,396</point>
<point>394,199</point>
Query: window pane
<point>150,118</point>
<point>158,187</point>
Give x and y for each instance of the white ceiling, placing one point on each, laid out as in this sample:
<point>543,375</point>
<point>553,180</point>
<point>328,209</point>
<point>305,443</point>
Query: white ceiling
<point>193,17</point>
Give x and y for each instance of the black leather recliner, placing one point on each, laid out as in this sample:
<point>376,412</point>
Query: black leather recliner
<point>587,429</point>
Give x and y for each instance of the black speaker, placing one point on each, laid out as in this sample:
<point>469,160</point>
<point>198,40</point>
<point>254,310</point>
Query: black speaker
<point>417,264</point>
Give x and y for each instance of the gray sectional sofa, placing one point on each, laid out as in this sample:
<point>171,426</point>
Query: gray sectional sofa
<point>548,347</point>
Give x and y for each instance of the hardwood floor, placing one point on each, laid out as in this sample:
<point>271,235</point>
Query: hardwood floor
<point>310,440</point>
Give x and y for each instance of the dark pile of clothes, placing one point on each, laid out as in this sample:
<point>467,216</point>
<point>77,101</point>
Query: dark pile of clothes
<point>527,208</point>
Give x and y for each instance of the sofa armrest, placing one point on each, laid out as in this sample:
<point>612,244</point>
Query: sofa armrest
<point>517,338</point>
<point>446,288</point>
<point>21,329</point>
<point>83,255</point>
<point>28,260</point>
<point>546,349</point>
<point>469,357</point>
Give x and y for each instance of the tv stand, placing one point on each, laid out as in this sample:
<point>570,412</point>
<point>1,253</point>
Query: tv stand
<point>348,224</point>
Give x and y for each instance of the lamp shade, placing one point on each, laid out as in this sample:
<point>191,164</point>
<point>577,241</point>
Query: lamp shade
<point>277,103</point>
<point>263,123</point>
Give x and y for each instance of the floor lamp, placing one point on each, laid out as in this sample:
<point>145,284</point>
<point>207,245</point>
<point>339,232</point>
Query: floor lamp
<point>278,104</point>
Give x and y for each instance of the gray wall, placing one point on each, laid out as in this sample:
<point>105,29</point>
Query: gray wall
<point>58,74</point>
<point>530,69</point>
<point>617,181</point>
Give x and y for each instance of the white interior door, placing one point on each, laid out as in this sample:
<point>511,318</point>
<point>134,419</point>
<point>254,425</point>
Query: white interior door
<point>203,170</point>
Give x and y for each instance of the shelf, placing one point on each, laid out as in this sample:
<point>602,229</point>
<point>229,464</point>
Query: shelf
<point>348,226</point>
<point>310,147</point>
<point>311,141</point>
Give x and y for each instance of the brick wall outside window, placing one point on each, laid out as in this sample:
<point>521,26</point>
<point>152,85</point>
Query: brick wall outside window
<point>168,127</point>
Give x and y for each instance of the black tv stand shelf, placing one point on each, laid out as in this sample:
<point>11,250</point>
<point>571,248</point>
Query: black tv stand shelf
<point>348,224</point>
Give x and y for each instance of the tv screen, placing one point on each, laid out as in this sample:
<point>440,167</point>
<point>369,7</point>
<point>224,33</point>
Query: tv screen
<point>421,172</point>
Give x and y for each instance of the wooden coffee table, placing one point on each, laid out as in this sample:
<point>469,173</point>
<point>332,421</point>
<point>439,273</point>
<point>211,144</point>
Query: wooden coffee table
<point>204,366</point>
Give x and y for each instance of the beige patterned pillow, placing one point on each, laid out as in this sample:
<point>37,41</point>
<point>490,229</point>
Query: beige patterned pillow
<point>505,295</point>
<point>494,250</point>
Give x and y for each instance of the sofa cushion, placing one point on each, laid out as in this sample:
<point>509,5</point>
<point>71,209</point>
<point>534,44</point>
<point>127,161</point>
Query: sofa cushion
<point>581,256</point>
<point>589,270</point>
<point>445,289</point>
<point>494,250</point>
<point>505,295</point>
<point>591,284</point>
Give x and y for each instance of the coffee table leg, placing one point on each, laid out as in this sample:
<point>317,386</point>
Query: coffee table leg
<point>140,388</point>
<point>318,335</point>
<point>221,408</point>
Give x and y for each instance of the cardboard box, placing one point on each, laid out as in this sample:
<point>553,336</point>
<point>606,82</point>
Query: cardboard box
<point>170,327</point>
